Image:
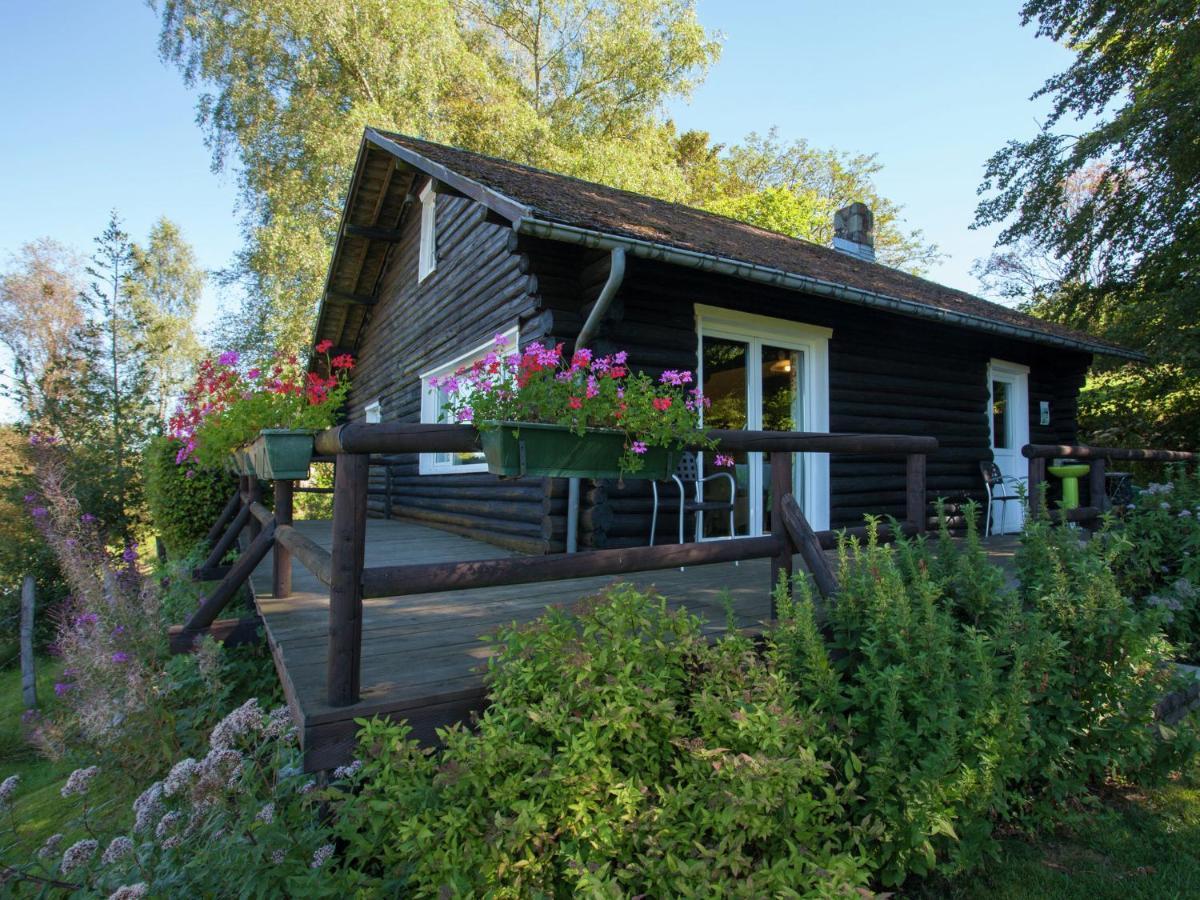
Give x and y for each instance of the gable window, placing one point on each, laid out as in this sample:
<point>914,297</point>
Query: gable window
<point>433,402</point>
<point>427,254</point>
<point>373,413</point>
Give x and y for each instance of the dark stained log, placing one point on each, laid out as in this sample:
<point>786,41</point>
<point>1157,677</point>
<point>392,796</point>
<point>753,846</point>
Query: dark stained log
<point>816,442</point>
<point>261,514</point>
<point>915,504</point>
<point>1097,495</point>
<point>353,299</point>
<point>211,605</point>
<point>227,514</point>
<point>482,524</point>
<point>311,555</point>
<point>781,489</point>
<point>829,539</point>
<point>1055,451</point>
<point>808,545</point>
<point>230,632</point>
<point>225,544</point>
<point>345,588</point>
<point>395,581</point>
<point>255,525</point>
<point>281,563</point>
<point>216,573</point>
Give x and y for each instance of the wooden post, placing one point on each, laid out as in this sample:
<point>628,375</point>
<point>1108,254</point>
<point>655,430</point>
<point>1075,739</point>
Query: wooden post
<point>211,605</point>
<point>28,674</point>
<point>345,589</point>
<point>225,544</point>
<point>781,487</point>
<point>227,514</point>
<point>255,496</point>
<point>916,508</point>
<point>1097,496</point>
<point>281,572</point>
<point>1037,480</point>
<point>809,546</point>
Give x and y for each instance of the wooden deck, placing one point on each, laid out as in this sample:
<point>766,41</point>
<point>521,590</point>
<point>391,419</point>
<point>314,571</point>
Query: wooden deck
<point>423,655</point>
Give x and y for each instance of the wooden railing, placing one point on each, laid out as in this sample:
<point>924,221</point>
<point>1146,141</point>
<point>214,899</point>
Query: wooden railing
<point>342,569</point>
<point>1097,459</point>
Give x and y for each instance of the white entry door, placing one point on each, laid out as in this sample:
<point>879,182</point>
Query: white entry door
<point>1008,406</point>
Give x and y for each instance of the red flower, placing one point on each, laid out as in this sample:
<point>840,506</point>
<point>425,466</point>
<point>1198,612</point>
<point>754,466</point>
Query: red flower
<point>617,372</point>
<point>575,403</point>
<point>345,361</point>
<point>324,346</point>
<point>662,404</point>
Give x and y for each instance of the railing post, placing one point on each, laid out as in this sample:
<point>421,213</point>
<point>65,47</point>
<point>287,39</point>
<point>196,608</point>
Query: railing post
<point>781,487</point>
<point>281,571</point>
<point>916,508</point>
<point>1037,478</point>
<point>254,495</point>
<point>345,589</point>
<point>1097,496</point>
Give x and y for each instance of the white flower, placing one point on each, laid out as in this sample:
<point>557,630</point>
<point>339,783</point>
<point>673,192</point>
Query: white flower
<point>50,847</point>
<point>120,847</point>
<point>321,856</point>
<point>1185,514</point>
<point>180,775</point>
<point>79,781</point>
<point>167,824</point>
<point>1164,505</point>
<point>266,815</point>
<point>243,720</point>
<point>147,806</point>
<point>130,892</point>
<point>277,857</point>
<point>347,771</point>
<point>78,854</point>
<point>7,788</point>
<point>279,720</point>
<point>308,787</point>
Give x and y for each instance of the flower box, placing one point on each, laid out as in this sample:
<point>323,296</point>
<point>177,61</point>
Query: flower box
<point>240,462</point>
<point>282,454</point>
<point>534,448</point>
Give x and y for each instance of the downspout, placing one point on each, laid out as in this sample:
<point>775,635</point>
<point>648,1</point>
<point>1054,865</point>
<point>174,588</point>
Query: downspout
<point>616,275</point>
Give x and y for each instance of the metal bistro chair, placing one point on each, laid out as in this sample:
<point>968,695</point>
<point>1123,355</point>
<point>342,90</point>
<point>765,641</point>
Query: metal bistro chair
<point>993,480</point>
<point>688,472</point>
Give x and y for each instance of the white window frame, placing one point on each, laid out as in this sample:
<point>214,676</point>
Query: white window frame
<point>373,412</point>
<point>427,252</point>
<point>439,463</point>
<point>811,470</point>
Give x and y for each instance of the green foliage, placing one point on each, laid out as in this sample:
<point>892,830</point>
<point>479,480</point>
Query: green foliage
<point>620,753</point>
<point>1111,203</point>
<point>183,502</point>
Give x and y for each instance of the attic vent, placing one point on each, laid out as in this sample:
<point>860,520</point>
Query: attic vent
<point>854,231</point>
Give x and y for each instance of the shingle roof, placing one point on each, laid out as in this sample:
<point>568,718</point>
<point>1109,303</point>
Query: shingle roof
<point>609,211</point>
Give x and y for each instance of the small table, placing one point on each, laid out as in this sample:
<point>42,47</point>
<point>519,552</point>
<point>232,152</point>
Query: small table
<point>1070,476</point>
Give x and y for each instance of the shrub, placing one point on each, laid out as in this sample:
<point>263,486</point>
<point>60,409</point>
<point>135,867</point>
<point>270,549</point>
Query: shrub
<point>621,753</point>
<point>920,673</point>
<point>184,501</point>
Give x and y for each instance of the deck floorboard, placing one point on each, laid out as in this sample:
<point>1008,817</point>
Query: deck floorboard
<point>424,655</point>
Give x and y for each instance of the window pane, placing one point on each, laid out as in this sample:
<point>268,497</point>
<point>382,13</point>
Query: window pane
<point>1000,436</point>
<point>725,383</point>
<point>781,410</point>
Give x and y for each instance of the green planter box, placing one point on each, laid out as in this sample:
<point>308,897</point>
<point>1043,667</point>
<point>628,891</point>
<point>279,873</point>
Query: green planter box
<point>282,454</point>
<point>240,462</point>
<point>532,448</point>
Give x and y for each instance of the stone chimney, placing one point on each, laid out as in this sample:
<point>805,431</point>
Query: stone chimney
<point>854,231</point>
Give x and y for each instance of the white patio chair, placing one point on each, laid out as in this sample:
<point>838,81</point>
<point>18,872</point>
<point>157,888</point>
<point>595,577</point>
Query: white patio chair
<point>688,473</point>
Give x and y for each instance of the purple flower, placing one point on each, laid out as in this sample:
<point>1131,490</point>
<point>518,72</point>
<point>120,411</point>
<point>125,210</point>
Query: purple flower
<point>60,688</point>
<point>30,498</point>
<point>465,414</point>
<point>619,357</point>
<point>190,473</point>
<point>500,340</point>
<point>87,518</point>
<point>228,358</point>
<point>120,657</point>
<point>130,555</point>
<point>254,373</point>
<point>722,459</point>
<point>86,619</point>
<point>638,447</point>
<point>39,512</point>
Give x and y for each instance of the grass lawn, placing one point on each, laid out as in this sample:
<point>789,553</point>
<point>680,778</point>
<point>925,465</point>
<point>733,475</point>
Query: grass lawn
<point>1142,843</point>
<point>39,810</point>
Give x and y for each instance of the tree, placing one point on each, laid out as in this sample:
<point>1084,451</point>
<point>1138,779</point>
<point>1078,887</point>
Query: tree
<point>40,313</point>
<point>795,189</point>
<point>289,85</point>
<point>164,287</point>
<point>1127,251</point>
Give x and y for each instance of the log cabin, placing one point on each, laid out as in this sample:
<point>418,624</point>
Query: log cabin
<point>440,249</point>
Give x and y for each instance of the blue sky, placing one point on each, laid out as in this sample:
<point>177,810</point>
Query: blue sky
<point>92,120</point>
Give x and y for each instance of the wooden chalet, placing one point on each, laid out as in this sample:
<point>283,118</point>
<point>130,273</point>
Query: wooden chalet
<point>840,386</point>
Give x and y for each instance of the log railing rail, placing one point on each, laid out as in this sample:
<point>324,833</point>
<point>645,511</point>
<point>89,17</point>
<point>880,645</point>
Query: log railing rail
<point>342,569</point>
<point>1098,459</point>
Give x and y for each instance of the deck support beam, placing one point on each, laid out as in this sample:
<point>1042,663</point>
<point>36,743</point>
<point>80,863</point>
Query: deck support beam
<point>915,503</point>
<point>228,539</point>
<point>241,570</point>
<point>281,564</point>
<point>345,589</point>
<point>809,547</point>
<point>781,489</point>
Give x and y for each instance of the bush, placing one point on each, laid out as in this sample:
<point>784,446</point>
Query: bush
<point>184,501</point>
<point>621,753</point>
